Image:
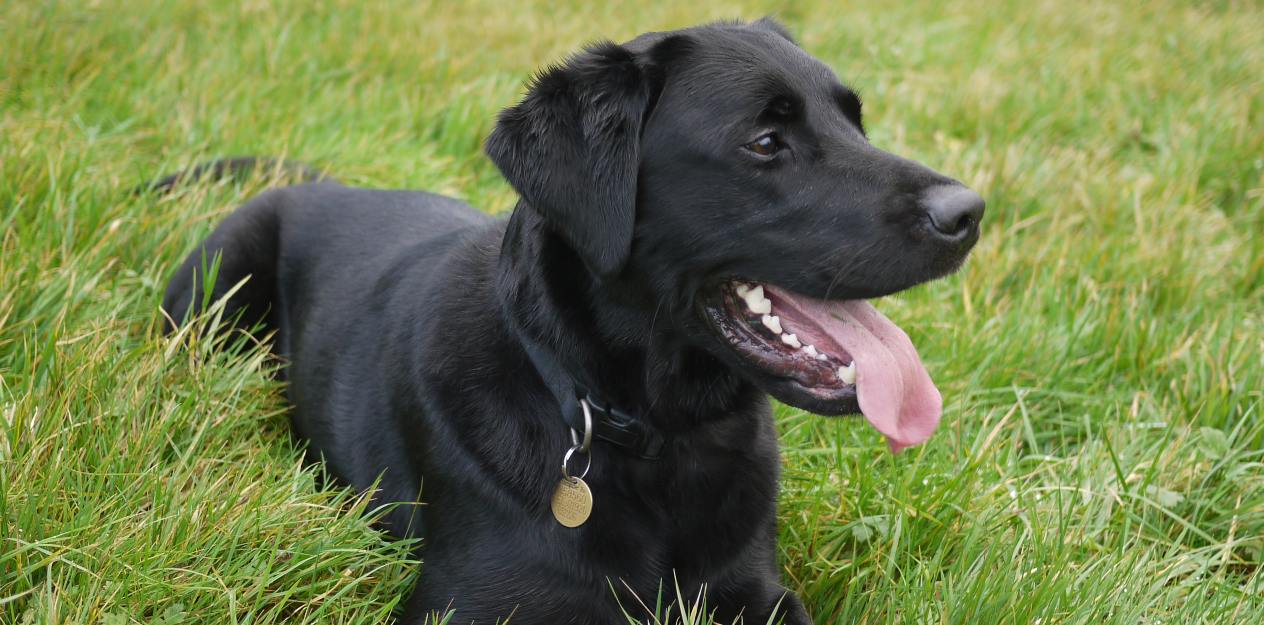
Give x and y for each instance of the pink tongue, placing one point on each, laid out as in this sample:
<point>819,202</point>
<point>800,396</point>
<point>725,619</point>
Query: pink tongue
<point>895,391</point>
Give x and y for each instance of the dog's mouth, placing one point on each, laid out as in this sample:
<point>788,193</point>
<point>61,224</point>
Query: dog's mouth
<point>828,357</point>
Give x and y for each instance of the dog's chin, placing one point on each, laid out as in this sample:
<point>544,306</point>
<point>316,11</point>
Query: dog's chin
<point>830,402</point>
<point>805,377</point>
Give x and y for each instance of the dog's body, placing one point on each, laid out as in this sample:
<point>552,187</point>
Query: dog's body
<point>401,364</point>
<point>414,327</point>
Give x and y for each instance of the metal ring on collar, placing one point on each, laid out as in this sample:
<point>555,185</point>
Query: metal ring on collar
<point>566,473</point>
<point>588,428</point>
<point>578,444</point>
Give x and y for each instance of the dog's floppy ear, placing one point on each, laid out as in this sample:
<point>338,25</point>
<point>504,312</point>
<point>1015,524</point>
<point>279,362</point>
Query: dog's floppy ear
<point>571,148</point>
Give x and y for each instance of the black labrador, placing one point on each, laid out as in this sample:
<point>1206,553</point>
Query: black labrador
<point>578,394</point>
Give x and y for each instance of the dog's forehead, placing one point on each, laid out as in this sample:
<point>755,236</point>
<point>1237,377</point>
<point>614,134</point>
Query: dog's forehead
<point>743,67</point>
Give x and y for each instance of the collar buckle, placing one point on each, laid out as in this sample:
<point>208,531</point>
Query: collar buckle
<point>619,428</point>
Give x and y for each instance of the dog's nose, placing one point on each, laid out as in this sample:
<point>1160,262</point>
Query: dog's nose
<point>953,209</point>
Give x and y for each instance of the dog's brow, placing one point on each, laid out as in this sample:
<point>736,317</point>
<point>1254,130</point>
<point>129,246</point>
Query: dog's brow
<point>763,89</point>
<point>773,88</point>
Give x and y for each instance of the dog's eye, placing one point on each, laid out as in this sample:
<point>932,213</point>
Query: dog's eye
<point>766,145</point>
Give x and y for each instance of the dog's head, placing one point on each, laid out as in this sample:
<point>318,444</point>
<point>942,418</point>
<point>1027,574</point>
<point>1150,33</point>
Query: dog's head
<point>721,176</point>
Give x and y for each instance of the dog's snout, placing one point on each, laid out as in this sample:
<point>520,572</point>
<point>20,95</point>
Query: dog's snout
<point>954,210</point>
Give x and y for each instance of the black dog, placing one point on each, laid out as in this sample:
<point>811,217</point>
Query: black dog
<point>701,216</point>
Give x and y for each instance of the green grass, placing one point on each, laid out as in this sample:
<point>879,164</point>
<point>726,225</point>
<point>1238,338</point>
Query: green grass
<point>1100,460</point>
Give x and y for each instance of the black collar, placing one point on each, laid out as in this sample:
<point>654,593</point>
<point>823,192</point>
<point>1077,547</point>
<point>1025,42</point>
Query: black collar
<point>609,424</point>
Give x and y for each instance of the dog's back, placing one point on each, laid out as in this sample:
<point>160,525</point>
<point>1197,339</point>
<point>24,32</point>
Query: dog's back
<point>317,267</point>
<point>342,230</point>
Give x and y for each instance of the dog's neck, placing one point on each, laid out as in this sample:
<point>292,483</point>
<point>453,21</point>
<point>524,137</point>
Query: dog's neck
<point>602,335</point>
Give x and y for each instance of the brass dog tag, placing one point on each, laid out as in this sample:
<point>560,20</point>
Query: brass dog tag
<point>572,502</point>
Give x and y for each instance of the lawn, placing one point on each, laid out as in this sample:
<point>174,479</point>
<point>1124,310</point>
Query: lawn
<point>1100,460</point>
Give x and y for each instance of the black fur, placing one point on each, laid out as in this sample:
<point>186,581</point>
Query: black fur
<point>402,317</point>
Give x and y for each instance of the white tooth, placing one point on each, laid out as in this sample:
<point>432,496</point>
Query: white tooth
<point>756,301</point>
<point>810,350</point>
<point>772,322</point>
<point>848,374</point>
<point>752,297</point>
<point>822,356</point>
<point>791,340</point>
<point>741,289</point>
